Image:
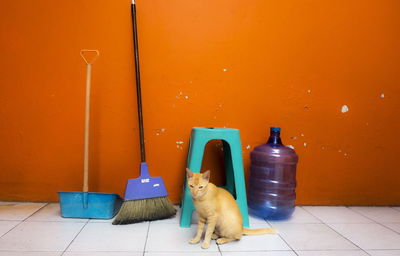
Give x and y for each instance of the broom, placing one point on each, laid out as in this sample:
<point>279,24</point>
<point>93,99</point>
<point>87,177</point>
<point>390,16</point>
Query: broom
<point>145,197</point>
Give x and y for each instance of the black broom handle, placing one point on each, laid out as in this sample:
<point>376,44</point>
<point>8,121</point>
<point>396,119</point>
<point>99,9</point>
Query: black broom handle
<point>138,88</point>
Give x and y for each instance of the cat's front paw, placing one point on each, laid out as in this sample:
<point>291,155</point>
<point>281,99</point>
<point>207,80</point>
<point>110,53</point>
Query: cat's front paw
<point>205,245</point>
<point>194,241</point>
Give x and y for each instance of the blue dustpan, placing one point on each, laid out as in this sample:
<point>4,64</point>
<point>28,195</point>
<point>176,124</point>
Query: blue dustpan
<point>145,186</point>
<point>89,204</point>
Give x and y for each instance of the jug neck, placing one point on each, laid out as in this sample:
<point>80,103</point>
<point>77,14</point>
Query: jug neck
<point>275,137</point>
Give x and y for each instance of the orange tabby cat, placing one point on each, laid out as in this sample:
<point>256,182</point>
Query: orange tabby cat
<point>218,208</point>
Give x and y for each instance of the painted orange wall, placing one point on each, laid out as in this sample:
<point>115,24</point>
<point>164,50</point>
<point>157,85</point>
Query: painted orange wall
<point>241,64</point>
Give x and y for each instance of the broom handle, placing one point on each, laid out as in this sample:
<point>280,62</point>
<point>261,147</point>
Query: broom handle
<point>138,87</point>
<point>87,117</point>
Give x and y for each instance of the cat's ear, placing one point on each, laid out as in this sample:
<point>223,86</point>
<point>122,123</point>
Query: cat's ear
<point>206,175</point>
<point>189,173</point>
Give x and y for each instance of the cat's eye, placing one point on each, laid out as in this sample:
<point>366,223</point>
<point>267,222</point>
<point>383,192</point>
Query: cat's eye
<point>200,187</point>
<point>191,186</point>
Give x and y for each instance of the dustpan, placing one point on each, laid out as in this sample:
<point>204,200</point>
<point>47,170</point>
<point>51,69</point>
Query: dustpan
<point>74,204</point>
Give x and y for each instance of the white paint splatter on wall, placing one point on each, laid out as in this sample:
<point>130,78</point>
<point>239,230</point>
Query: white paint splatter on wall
<point>382,95</point>
<point>179,144</point>
<point>225,69</point>
<point>305,144</point>
<point>248,147</point>
<point>345,108</point>
<point>161,130</point>
<point>182,95</point>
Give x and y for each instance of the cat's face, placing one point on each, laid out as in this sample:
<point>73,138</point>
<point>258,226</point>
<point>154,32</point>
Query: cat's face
<point>197,183</point>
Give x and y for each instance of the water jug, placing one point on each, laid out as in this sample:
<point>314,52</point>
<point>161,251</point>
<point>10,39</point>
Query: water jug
<point>272,181</point>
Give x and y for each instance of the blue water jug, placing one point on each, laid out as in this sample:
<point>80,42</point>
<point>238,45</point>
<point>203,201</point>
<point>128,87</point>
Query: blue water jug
<point>272,181</point>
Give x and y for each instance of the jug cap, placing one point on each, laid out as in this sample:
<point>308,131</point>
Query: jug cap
<point>275,129</point>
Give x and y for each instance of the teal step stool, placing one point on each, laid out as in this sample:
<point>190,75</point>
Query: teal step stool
<point>235,183</point>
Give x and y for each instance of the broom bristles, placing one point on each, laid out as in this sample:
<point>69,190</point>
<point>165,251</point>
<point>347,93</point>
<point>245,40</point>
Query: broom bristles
<point>134,211</point>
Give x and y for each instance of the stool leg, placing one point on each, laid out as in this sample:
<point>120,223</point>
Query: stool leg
<point>240,185</point>
<point>195,158</point>
<point>230,181</point>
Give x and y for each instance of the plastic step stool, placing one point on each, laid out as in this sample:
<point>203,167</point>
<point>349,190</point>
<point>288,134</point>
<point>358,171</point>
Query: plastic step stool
<point>236,185</point>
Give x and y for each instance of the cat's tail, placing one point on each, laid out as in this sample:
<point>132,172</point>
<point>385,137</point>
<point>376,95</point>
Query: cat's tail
<point>259,231</point>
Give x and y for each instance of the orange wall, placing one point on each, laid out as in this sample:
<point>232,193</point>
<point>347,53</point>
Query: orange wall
<point>242,64</point>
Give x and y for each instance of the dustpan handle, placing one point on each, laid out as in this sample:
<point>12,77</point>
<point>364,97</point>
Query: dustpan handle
<point>87,117</point>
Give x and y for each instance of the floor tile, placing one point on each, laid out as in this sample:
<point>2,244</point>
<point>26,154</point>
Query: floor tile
<point>18,211</point>
<point>379,214</point>
<point>384,252</point>
<point>7,225</point>
<point>369,235</point>
<point>109,221</point>
<point>40,236</point>
<point>103,254</point>
<point>396,208</point>
<point>299,216</point>
<point>265,242</point>
<point>203,253</point>
<point>10,253</point>
<point>256,221</point>
<point>169,237</point>
<point>312,237</point>
<point>332,253</point>
<point>175,219</point>
<point>51,212</point>
<point>393,226</point>
<point>263,253</point>
<point>339,214</point>
<point>108,237</point>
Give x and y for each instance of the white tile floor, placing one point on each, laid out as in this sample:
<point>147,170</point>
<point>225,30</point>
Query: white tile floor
<point>36,229</point>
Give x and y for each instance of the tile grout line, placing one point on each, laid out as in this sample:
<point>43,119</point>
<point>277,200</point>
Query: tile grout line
<point>219,249</point>
<point>270,225</point>
<point>20,222</point>
<point>147,237</point>
<point>376,222</point>
<point>326,224</point>
<point>35,212</point>
<point>398,232</point>
<point>394,208</point>
<point>23,220</point>
<point>362,215</point>
<point>66,248</point>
